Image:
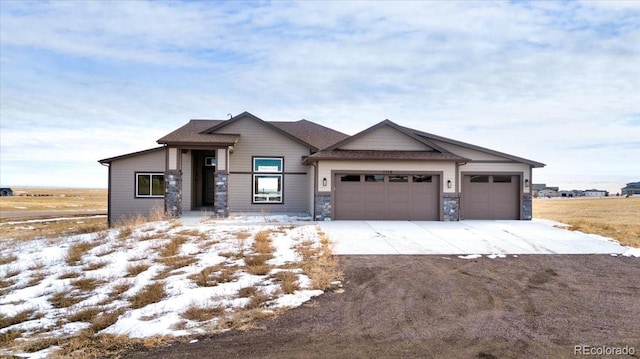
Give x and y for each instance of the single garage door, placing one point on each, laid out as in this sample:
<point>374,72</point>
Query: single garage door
<point>491,197</point>
<point>387,197</point>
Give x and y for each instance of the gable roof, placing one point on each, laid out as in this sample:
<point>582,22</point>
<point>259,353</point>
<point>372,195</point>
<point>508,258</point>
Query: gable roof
<point>477,148</point>
<point>111,159</point>
<point>308,133</point>
<point>439,153</point>
<point>393,125</point>
<point>192,134</point>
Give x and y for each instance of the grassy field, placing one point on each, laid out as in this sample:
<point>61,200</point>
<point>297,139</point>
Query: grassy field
<point>30,203</point>
<point>614,217</point>
<point>28,200</point>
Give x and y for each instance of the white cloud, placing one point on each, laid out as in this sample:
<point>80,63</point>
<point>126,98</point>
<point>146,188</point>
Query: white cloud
<point>536,79</point>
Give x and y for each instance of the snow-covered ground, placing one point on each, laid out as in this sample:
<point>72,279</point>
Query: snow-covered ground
<point>37,274</point>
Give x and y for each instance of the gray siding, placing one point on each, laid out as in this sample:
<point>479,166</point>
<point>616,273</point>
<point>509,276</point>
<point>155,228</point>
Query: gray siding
<point>257,139</point>
<point>124,203</point>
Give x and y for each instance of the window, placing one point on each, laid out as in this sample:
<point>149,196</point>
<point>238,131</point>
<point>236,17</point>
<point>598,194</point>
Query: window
<point>210,161</point>
<point>398,179</point>
<point>479,179</point>
<point>501,179</point>
<point>267,180</point>
<point>422,179</point>
<point>267,164</point>
<point>149,184</point>
<point>350,178</point>
<point>374,178</point>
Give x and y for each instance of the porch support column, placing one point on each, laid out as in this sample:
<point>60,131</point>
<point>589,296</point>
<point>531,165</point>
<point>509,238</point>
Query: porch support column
<point>323,206</point>
<point>220,203</point>
<point>173,193</point>
<point>527,206</point>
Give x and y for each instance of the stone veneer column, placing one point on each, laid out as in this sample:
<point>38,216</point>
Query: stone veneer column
<point>323,206</point>
<point>527,207</point>
<point>173,193</point>
<point>221,204</point>
<point>451,207</point>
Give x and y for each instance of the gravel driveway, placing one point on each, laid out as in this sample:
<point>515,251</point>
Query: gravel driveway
<point>532,306</point>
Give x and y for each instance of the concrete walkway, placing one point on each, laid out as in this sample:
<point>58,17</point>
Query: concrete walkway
<point>464,237</point>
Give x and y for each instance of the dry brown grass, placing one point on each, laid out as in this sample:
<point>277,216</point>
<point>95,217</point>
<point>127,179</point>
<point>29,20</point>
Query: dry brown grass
<point>55,199</point>
<point>50,229</point>
<point>318,263</point>
<point>614,217</point>
<point>288,281</point>
<point>8,259</point>
<point>172,247</point>
<point>95,265</point>
<point>9,336</point>
<point>86,284</point>
<point>20,317</point>
<point>262,243</point>
<point>135,269</point>
<point>201,313</point>
<point>64,299</point>
<point>84,314</point>
<point>150,294</point>
<point>77,250</point>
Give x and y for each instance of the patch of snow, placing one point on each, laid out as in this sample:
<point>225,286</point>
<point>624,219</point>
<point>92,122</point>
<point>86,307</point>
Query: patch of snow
<point>632,252</point>
<point>494,256</point>
<point>470,256</point>
<point>48,258</point>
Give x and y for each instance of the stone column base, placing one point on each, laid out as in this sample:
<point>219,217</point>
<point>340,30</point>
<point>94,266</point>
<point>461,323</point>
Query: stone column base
<point>323,206</point>
<point>173,193</point>
<point>451,207</point>
<point>221,204</point>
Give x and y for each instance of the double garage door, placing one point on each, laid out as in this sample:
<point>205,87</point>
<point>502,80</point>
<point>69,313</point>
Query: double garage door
<point>387,196</point>
<point>490,197</point>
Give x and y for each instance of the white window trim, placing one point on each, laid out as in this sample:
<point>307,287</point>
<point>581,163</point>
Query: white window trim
<point>150,174</point>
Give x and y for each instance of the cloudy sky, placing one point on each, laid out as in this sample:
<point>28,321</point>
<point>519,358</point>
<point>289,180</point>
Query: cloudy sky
<point>555,82</point>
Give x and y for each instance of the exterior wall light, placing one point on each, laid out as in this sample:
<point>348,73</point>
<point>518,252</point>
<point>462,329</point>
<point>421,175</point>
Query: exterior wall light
<point>526,183</point>
<point>448,183</point>
<point>324,182</point>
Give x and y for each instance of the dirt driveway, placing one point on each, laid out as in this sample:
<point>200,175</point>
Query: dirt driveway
<point>534,306</point>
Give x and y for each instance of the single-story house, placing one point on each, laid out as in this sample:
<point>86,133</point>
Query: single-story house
<point>630,189</point>
<point>595,193</point>
<point>248,165</point>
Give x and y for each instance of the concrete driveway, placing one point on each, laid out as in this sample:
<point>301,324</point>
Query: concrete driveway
<point>463,238</point>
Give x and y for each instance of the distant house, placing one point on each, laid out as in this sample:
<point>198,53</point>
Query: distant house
<point>386,172</point>
<point>542,190</point>
<point>595,193</point>
<point>6,191</point>
<point>632,188</point>
<point>548,192</point>
<point>571,194</point>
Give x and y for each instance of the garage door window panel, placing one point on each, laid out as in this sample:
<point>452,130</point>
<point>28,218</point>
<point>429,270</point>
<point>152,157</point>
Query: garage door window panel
<point>398,179</point>
<point>501,179</point>
<point>422,179</point>
<point>374,178</point>
<point>350,178</point>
